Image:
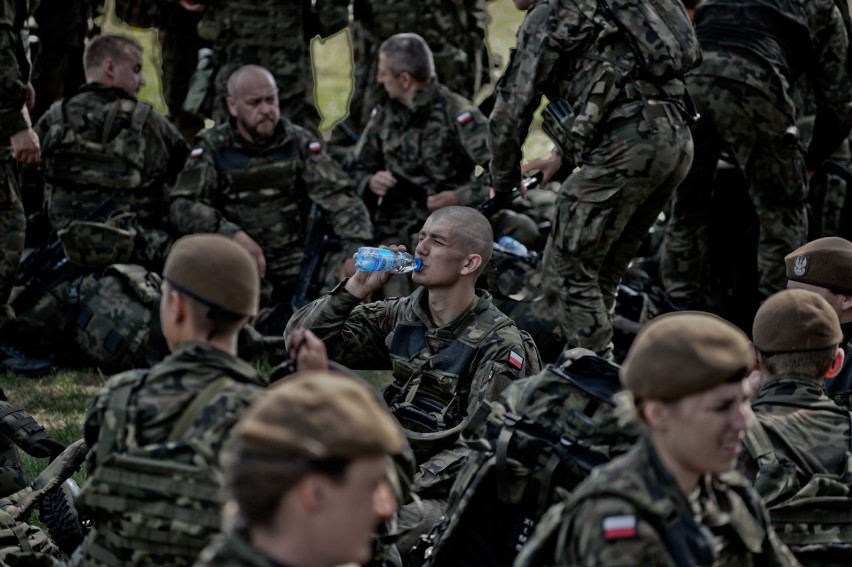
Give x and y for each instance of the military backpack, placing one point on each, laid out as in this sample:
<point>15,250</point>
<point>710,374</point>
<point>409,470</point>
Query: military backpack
<point>530,449</point>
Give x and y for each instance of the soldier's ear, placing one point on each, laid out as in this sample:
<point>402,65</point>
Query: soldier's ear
<point>108,68</point>
<point>836,364</point>
<point>471,264</point>
<point>232,105</point>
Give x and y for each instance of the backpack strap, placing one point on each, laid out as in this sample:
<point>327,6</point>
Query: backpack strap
<point>758,444</point>
<point>199,402</point>
<point>117,405</point>
<point>139,117</point>
<point>109,121</point>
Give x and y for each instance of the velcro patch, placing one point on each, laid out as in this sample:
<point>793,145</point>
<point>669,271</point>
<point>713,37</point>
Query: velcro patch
<point>196,152</point>
<point>516,360</point>
<point>619,527</point>
<point>315,147</point>
<point>464,118</point>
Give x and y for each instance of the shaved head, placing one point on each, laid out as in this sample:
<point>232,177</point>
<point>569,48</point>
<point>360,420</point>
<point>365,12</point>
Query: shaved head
<point>248,74</point>
<point>471,229</point>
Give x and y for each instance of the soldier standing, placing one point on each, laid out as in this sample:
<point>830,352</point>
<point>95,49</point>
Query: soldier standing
<point>255,179</point>
<point>628,136</point>
<point>743,91</point>
<point>664,503</point>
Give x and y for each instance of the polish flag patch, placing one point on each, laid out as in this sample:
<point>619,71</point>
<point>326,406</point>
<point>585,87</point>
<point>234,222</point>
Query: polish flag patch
<point>196,152</point>
<point>619,527</point>
<point>516,360</point>
<point>464,118</point>
<point>315,147</point>
<point>374,112</point>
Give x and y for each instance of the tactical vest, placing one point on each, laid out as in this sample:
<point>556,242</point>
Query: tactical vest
<point>814,520</point>
<point>156,500</point>
<point>265,193</point>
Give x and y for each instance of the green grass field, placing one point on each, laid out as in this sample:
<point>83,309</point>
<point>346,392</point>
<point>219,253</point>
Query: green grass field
<point>59,402</point>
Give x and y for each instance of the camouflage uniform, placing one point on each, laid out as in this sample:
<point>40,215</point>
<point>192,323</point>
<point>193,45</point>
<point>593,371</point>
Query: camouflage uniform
<point>274,34</point>
<point>159,399</point>
<point>164,155</point>
<point>437,144</point>
<point>230,184</point>
<point>632,155</point>
<point>743,92</point>
<point>722,523</point>
<point>455,32</point>
<point>233,550</point>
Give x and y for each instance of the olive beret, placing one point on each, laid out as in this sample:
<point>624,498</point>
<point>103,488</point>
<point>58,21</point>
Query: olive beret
<point>825,262</point>
<point>216,271</point>
<point>685,353</point>
<point>320,415</point>
<point>795,320</point>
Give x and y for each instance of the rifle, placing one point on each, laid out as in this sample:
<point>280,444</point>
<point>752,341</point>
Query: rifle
<point>48,264</point>
<point>500,201</point>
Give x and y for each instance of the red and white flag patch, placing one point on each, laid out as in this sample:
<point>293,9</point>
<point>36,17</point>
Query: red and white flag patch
<point>619,527</point>
<point>315,147</point>
<point>196,152</point>
<point>516,360</point>
<point>464,118</point>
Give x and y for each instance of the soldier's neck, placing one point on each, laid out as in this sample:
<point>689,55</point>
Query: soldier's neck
<point>446,304</point>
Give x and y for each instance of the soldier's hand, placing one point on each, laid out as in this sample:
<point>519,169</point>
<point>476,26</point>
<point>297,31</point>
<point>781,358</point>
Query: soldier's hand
<point>347,268</point>
<point>243,239</point>
<point>548,166</point>
<point>192,6</point>
<point>381,182</point>
<point>363,284</point>
<point>26,147</point>
<point>441,200</point>
<point>307,351</point>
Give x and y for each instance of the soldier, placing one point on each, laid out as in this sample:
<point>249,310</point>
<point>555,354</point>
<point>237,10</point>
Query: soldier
<point>664,503</point>
<point>254,180</point>
<point>275,35</point>
<point>309,475</point>
<point>103,143</point>
<point>447,344</point>
<point>625,129</point>
<point>824,267</point>
<point>743,91</point>
<point>189,401</point>
<point>421,147</point>
<point>799,438</point>
<point>456,34</point>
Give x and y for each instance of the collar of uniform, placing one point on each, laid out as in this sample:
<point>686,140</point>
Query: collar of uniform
<point>481,301</point>
<point>423,97</point>
<point>114,92</point>
<point>279,137</point>
<point>195,351</point>
<point>794,386</point>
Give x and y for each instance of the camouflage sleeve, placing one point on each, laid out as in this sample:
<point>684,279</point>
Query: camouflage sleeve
<point>545,34</point>
<point>331,189</point>
<point>92,428</point>
<point>191,208</point>
<point>472,133</point>
<point>354,335</point>
<point>368,157</point>
<point>832,89</point>
<point>14,73</point>
<point>608,531</point>
<point>214,427</point>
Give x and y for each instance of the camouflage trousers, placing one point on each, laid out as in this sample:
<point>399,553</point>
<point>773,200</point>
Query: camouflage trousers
<point>603,212</point>
<point>744,122</point>
<point>13,226</point>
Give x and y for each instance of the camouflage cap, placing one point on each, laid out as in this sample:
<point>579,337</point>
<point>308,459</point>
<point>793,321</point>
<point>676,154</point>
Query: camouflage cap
<point>216,271</point>
<point>685,353</point>
<point>320,415</point>
<point>825,262</point>
<point>795,320</point>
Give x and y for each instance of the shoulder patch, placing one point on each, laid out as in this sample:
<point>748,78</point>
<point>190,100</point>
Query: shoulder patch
<point>619,527</point>
<point>516,360</point>
<point>464,118</point>
<point>315,147</point>
<point>374,112</point>
<point>196,152</point>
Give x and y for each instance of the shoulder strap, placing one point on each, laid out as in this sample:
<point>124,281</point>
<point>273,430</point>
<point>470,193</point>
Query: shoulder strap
<point>197,406</point>
<point>117,404</point>
<point>110,121</point>
<point>140,115</point>
<point>758,444</point>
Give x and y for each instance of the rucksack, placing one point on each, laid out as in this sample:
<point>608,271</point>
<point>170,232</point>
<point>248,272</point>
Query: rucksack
<point>174,498</point>
<point>814,520</point>
<point>111,163</point>
<point>116,324</point>
<point>530,449</point>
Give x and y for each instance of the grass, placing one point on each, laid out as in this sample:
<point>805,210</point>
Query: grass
<point>60,402</point>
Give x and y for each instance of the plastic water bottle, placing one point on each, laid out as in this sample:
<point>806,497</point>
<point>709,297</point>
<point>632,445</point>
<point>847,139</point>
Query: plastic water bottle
<point>512,246</point>
<point>383,260</point>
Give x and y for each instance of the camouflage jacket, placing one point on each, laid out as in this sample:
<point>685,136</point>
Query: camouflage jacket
<point>164,155</point>
<point>805,427</point>
<point>399,334</point>
<point>631,512</point>
<point>786,39</point>
<point>565,49</point>
<point>234,550</point>
<point>436,144</point>
<point>14,68</point>
<point>159,399</point>
<point>230,184</point>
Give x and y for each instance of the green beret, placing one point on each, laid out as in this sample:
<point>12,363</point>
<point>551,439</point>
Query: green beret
<point>320,415</point>
<point>685,353</point>
<point>825,262</point>
<point>795,320</point>
<point>216,271</point>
